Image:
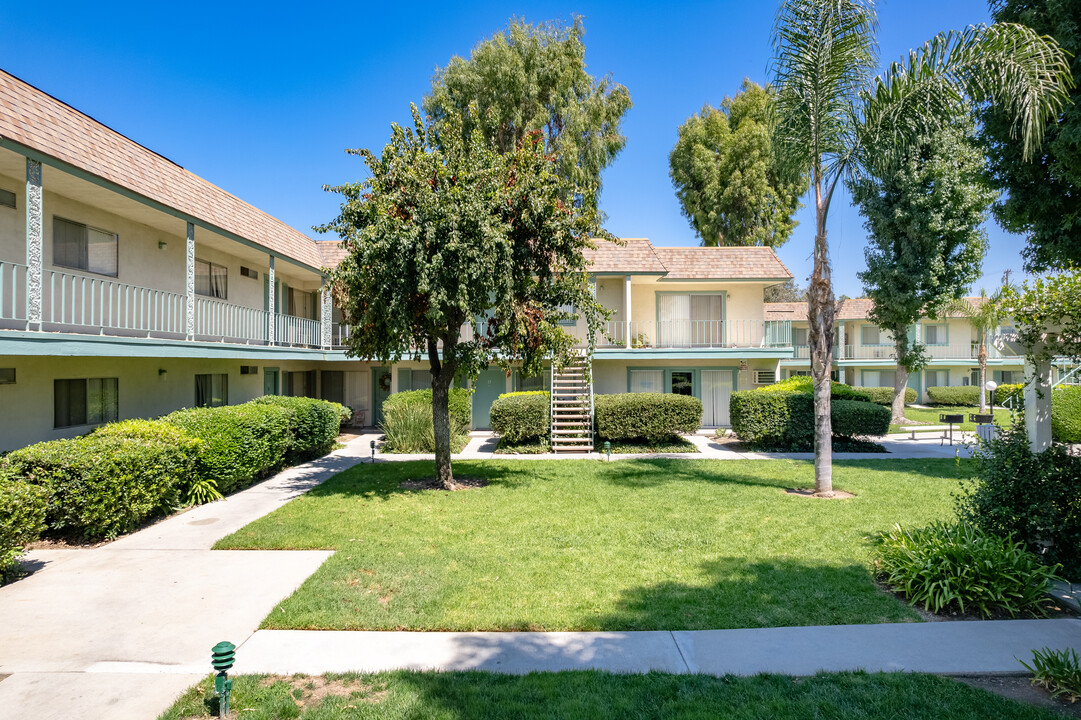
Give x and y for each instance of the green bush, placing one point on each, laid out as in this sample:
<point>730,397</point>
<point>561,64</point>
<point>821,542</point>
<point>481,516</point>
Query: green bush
<point>408,428</point>
<point>646,416</point>
<point>314,424</point>
<point>1066,414</point>
<point>1057,671</point>
<point>22,516</point>
<point>1032,497</point>
<point>804,384</point>
<point>1016,393</point>
<point>522,416</point>
<point>192,489</point>
<point>106,483</point>
<point>240,443</point>
<point>960,568</point>
<point>884,395</point>
<point>461,404</point>
<point>786,419</point>
<point>955,396</point>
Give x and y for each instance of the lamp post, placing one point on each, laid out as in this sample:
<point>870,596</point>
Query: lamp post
<point>222,657</point>
<point>608,450</point>
<point>373,450</point>
<point>991,386</point>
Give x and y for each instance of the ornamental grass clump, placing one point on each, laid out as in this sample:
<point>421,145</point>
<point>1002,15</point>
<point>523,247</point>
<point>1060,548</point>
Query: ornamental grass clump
<point>408,428</point>
<point>1057,671</point>
<point>950,568</point>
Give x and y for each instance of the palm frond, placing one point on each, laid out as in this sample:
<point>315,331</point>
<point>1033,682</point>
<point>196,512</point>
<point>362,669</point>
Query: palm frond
<point>1006,64</point>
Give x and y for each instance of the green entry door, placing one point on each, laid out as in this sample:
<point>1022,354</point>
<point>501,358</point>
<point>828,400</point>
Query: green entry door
<point>270,381</point>
<point>490,384</point>
<point>381,379</point>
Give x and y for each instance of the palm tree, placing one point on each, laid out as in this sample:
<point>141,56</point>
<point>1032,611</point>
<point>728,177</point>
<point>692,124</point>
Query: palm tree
<point>985,315</point>
<point>835,119</point>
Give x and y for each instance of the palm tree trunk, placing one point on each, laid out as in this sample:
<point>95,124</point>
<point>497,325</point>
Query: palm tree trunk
<point>820,318</point>
<point>983,373</point>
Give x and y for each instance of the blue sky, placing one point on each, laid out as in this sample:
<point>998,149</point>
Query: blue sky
<point>263,99</point>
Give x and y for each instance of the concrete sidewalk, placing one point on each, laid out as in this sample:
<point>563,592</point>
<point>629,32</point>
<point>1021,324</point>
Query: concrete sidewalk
<point>938,647</point>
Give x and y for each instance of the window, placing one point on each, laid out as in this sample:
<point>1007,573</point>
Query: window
<point>211,390</point>
<point>7,376</point>
<point>936,378</point>
<point>799,373</point>
<point>85,401</point>
<point>409,379</point>
<point>646,381</point>
<point>682,382</point>
<point>1011,377</point>
<point>935,335</point>
<point>211,280</point>
<point>870,335</point>
<point>7,198</point>
<point>300,384</point>
<point>529,384</point>
<point>84,248</point>
<point>872,378</point>
<point>799,336</point>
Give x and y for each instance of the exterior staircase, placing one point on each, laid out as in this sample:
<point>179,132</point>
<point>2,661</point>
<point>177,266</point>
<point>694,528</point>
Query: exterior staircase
<point>572,408</point>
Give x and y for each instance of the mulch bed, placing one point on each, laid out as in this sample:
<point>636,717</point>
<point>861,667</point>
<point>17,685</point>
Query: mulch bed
<point>432,483</point>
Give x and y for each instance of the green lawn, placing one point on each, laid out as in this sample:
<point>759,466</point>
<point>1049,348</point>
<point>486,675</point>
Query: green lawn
<point>1002,417</point>
<point>590,545</point>
<point>575,695</point>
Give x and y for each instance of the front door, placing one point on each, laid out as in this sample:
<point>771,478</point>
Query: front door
<point>381,379</point>
<point>270,381</point>
<point>490,384</point>
<point>716,393</point>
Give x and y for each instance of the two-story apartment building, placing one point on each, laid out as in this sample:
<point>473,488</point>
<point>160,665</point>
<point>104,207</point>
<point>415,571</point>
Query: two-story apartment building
<point>864,354</point>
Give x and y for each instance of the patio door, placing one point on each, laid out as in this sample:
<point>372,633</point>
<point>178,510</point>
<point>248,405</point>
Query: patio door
<point>717,388</point>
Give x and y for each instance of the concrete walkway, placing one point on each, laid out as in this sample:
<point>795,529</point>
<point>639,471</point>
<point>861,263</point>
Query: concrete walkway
<point>938,647</point>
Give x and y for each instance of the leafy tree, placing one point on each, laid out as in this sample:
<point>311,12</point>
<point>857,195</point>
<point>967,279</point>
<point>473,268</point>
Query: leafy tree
<point>463,255</point>
<point>923,214</point>
<point>1043,197</point>
<point>533,78</point>
<point>727,180</point>
<point>833,121</point>
<point>788,291</point>
<point>985,316</point>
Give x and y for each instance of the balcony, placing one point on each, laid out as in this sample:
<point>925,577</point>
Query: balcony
<point>81,304</point>
<point>967,351</point>
<point>690,334</point>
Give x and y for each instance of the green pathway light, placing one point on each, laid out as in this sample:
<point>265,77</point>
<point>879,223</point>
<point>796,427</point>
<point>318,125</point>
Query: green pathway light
<point>608,450</point>
<point>373,450</point>
<point>222,657</point>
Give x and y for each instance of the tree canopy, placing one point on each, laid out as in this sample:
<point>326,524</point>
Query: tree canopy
<point>925,244</point>
<point>788,291</point>
<point>533,78</point>
<point>462,255</point>
<point>1042,198</point>
<point>729,184</point>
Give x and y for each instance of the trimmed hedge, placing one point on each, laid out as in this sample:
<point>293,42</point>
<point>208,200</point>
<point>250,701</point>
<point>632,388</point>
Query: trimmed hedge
<point>239,442</point>
<point>1016,392</point>
<point>522,416</point>
<point>646,416</point>
<point>22,515</point>
<point>461,404</point>
<point>884,395</point>
<point>314,424</point>
<point>787,418</point>
<point>804,384</point>
<point>106,483</point>
<point>1066,414</point>
<point>955,395</point>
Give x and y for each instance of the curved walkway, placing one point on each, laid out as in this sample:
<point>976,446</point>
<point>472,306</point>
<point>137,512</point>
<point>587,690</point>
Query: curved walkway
<point>119,631</point>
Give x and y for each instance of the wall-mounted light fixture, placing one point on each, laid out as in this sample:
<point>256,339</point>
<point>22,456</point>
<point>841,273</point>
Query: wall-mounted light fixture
<point>162,372</point>
<point>162,244</point>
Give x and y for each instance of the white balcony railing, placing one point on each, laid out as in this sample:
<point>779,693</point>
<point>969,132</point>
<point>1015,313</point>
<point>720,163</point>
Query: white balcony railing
<point>290,330</point>
<point>666,334</point>
<point>12,293</point>
<point>966,350</point>
<point>107,307</point>
<point>224,322</point>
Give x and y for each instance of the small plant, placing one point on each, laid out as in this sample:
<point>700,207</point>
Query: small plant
<point>201,491</point>
<point>958,567</point>
<point>1057,671</point>
<point>408,428</point>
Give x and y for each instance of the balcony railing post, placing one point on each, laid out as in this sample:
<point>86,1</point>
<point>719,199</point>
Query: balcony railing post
<point>35,241</point>
<point>189,283</point>
<point>326,315</point>
<point>272,314</point>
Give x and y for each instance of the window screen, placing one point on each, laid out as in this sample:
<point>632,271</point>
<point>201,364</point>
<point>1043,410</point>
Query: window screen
<point>646,381</point>
<point>84,248</point>
<point>869,335</point>
<point>211,280</point>
<point>934,334</point>
<point>211,390</point>
<point>799,336</point>
<point>85,401</point>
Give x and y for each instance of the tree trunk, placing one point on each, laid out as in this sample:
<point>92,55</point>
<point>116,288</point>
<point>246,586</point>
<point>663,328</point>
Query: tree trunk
<point>442,375</point>
<point>900,384</point>
<point>983,374</point>
<point>820,318</point>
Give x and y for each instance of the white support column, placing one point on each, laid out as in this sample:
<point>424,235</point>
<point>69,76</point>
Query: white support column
<point>272,316</point>
<point>841,340</point>
<point>189,284</point>
<point>1038,404</point>
<point>35,242</point>
<point>627,309</point>
<point>326,315</point>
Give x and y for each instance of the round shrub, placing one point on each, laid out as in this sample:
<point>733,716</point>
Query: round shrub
<point>960,568</point>
<point>105,484</point>
<point>240,443</point>
<point>522,416</point>
<point>884,395</point>
<point>646,416</point>
<point>461,404</point>
<point>314,424</point>
<point>853,418</point>
<point>1066,414</point>
<point>22,515</point>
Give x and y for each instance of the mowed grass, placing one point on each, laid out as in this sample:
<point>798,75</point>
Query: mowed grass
<point>641,544</point>
<point>1002,417</point>
<point>575,695</point>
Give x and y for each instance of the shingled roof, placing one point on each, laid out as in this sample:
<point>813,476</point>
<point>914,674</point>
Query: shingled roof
<point>640,256</point>
<point>331,251</point>
<point>635,256</point>
<point>795,311</point>
<point>847,309</point>
<point>36,120</point>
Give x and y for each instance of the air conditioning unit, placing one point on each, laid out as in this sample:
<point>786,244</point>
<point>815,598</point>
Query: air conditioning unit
<point>764,377</point>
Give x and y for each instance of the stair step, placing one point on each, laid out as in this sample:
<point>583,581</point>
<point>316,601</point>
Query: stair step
<point>572,423</point>
<point>577,433</point>
<point>574,449</point>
